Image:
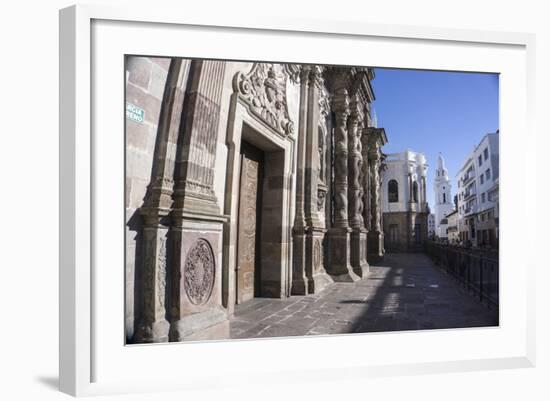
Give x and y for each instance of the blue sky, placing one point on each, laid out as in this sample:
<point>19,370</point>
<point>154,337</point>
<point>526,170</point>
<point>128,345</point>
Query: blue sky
<point>436,111</point>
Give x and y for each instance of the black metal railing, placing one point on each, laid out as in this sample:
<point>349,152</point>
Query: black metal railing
<point>475,269</point>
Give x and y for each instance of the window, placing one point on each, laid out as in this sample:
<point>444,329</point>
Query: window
<point>415,191</point>
<point>479,160</point>
<point>486,153</point>
<point>483,197</point>
<point>481,179</point>
<point>393,191</point>
<point>488,174</point>
<point>444,199</point>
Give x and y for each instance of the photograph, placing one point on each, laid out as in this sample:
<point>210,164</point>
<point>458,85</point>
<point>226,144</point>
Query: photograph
<point>273,199</point>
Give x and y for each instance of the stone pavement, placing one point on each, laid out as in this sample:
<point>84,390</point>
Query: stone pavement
<point>404,292</point>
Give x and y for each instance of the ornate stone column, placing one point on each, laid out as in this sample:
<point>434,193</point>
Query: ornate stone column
<point>196,232</point>
<point>316,274</point>
<point>153,325</point>
<point>366,178</point>
<point>375,235</point>
<point>339,234</point>
<point>355,212</point>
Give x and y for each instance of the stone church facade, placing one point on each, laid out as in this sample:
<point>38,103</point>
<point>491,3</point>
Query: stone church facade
<point>404,202</point>
<point>244,180</point>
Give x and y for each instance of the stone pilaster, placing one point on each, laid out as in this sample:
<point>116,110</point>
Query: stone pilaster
<point>355,212</point>
<point>153,325</point>
<point>299,279</point>
<point>316,274</point>
<point>196,231</point>
<point>194,190</point>
<point>339,234</point>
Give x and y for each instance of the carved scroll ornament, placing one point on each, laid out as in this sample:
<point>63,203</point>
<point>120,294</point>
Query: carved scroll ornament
<point>264,90</point>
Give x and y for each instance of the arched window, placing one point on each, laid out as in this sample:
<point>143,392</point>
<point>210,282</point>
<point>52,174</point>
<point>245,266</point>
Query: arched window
<point>415,191</point>
<point>444,199</point>
<point>393,191</point>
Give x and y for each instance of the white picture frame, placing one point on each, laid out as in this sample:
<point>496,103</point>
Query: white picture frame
<point>84,355</point>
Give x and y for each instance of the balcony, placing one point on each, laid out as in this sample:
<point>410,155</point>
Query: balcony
<point>466,178</point>
<point>470,192</point>
<point>470,210</point>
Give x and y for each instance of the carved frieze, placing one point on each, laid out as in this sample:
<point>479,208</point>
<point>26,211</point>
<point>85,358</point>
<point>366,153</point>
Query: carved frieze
<point>264,90</point>
<point>199,272</point>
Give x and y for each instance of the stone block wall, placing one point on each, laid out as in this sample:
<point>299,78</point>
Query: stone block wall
<point>145,81</point>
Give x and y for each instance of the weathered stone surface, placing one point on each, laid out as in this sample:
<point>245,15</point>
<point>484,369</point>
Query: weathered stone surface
<point>139,71</point>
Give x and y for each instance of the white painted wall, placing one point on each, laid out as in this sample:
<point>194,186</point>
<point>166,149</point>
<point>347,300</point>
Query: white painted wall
<point>398,167</point>
<point>481,186</point>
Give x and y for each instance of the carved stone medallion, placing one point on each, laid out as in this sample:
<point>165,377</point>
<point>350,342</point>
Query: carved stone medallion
<point>264,90</point>
<point>317,256</point>
<point>199,271</point>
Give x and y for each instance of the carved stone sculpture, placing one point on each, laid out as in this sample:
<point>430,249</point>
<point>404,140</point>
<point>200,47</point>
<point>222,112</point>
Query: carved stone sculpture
<point>264,90</point>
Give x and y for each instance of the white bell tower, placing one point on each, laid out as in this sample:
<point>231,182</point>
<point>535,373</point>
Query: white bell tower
<point>443,200</point>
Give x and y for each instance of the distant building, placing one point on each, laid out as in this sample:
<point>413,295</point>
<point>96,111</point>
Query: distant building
<point>443,200</point>
<point>452,227</point>
<point>404,204</point>
<point>478,198</point>
<point>431,225</point>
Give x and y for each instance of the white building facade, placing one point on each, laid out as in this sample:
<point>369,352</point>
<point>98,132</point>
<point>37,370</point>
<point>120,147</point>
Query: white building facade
<point>443,200</point>
<point>478,193</point>
<point>431,225</point>
<point>404,203</point>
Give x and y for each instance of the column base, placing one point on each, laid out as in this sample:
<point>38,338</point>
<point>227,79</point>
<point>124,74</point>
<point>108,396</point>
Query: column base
<point>359,262</point>
<point>155,332</point>
<point>299,280</point>
<point>339,266</point>
<point>211,324</point>
<point>319,282</point>
<point>375,247</point>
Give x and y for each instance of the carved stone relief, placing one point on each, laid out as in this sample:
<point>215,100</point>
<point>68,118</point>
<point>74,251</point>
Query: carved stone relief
<point>199,272</point>
<point>161,278</point>
<point>317,254</point>
<point>321,194</point>
<point>264,90</point>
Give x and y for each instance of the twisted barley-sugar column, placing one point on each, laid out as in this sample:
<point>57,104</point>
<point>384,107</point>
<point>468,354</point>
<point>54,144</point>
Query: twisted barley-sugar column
<point>366,176</point>
<point>374,159</point>
<point>341,113</point>
<point>354,165</point>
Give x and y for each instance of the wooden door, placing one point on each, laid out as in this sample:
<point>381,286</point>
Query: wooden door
<point>249,223</point>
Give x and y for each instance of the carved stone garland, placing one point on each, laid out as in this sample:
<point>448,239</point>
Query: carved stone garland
<point>199,272</point>
<point>264,90</point>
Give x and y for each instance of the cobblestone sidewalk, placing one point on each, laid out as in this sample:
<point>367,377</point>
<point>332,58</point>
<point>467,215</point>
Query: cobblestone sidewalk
<point>404,292</point>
